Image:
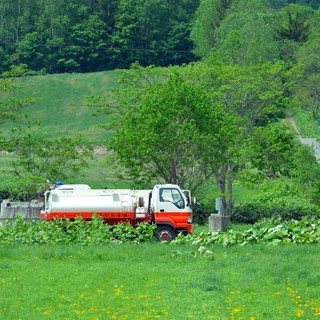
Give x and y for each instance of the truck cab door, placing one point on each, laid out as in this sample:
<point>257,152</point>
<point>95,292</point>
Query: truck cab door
<point>168,199</point>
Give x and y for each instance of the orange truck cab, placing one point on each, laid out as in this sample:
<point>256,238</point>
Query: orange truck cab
<point>171,211</point>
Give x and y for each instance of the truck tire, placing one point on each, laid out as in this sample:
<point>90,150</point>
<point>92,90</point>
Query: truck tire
<point>165,233</point>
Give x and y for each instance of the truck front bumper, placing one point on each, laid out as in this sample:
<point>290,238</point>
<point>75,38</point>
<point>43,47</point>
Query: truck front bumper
<point>189,228</point>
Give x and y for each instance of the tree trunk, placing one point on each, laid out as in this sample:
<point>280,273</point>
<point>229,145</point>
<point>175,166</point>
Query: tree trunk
<point>230,185</point>
<point>225,181</point>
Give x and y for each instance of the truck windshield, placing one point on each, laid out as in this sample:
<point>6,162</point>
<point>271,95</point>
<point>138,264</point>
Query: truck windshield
<point>172,195</point>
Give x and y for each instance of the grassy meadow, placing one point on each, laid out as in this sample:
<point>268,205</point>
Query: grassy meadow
<point>61,109</point>
<point>61,103</point>
<point>159,281</point>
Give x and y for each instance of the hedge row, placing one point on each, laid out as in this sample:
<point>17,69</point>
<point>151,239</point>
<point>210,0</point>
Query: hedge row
<point>252,213</point>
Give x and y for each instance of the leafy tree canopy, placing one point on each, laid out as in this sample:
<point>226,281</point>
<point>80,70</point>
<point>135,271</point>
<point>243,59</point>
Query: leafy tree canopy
<point>246,35</point>
<point>172,131</point>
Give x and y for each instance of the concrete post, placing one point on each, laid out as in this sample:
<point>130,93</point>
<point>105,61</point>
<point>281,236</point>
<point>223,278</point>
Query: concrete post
<point>218,223</point>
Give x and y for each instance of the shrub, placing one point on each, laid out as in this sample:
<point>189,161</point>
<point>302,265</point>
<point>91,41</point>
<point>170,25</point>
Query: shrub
<point>251,213</point>
<point>200,214</point>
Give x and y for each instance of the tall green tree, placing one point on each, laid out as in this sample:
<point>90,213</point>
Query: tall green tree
<point>208,18</point>
<point>308,52</point>
<point>30,51</point>
<point>308,55</point>
<point>272,150</point>
<point>88,47</point>
<point>171,130</point>
<point>247,35</point>
<point>257,94</point>
<point>293,29</point>
<point>153,32</point>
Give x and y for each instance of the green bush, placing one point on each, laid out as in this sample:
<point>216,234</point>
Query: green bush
<point>200,214</point>
<point>251,213</point>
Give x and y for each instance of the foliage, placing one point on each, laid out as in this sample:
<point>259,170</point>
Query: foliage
<point>86,36</point>
<point>200,214</point>
<point>58,36</point>
<point>306,172</point>
<point>294,22</point>
<point>12,105</point>
<point>153,32</point>
<point>293,29</point>
<point>304,120</point>
<point>278,4</point>
<point>250,213</point>
<point>258,93</point>
<point>273,231</point>
<point>208,17</point>
<point>214,107</point>
<point>40,159</point>
<point>306,53</point>
<point>246,35</point>
<point>81,232</point>
<point>89,40</point>
<point>272,149</point>
<point>283,193</point>
<point>295,189</point>
<point>171,132</point>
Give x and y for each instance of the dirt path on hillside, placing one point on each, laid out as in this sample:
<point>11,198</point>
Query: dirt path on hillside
<point>290,121</point>
<point>311,142</point>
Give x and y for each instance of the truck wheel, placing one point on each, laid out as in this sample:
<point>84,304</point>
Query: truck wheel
<point>165,233</point>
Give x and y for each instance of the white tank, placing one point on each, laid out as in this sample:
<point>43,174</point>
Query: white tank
<point>68,199</point>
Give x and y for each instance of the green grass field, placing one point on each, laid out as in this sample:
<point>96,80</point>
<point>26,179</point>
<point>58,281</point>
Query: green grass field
<point>61,108</point>
<point>159,281</point>
<point>61,103</point>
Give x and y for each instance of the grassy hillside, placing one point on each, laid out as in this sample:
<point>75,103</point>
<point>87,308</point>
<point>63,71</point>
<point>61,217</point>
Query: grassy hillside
<point>61,102</point>
<point>61,110</point>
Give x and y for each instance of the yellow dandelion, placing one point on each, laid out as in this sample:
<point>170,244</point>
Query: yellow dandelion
<point>316,311</point>
<point>291,291</point>
<point>236,310</point>
<point>299,313</point>
<point>117,291</point>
